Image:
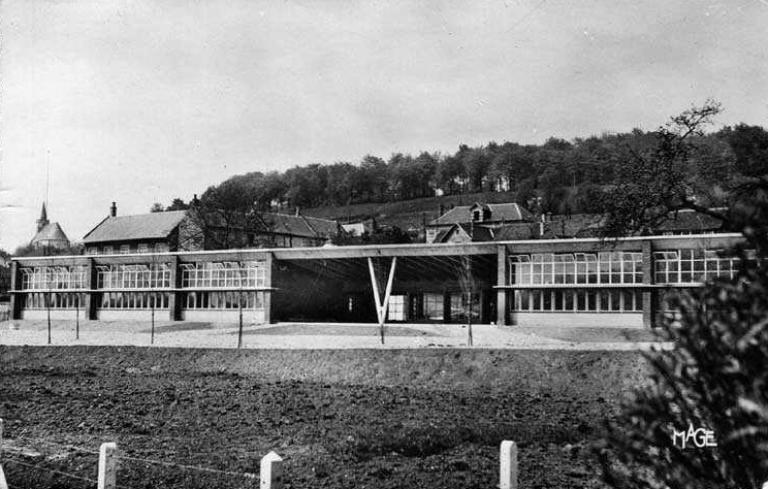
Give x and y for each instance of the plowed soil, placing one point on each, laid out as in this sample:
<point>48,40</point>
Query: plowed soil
<point>340,419</point>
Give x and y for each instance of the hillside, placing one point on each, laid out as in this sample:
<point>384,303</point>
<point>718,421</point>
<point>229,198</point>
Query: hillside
<point>407,214</point>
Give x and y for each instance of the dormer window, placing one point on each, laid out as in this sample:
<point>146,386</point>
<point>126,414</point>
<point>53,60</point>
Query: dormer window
<point>476,215</point>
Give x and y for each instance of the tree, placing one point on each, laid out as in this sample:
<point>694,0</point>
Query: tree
<point>157,207</point>
<point>661,179</point>
<point>30,250</point>
<point>177,204</point>
<point>373,175</point>
<point>714,377</point>
<point>225,212</point>
<point>750,147</point>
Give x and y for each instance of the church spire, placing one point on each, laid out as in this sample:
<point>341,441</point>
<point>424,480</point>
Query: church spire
<point>43,221</point>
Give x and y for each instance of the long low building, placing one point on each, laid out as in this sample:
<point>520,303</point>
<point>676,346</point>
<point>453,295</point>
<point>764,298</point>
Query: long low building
<point>584,282</point>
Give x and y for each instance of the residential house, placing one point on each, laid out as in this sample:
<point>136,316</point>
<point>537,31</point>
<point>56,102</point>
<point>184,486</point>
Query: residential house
<point>480,218</point>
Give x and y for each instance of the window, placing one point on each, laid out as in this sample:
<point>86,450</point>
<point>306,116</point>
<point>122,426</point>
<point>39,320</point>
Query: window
<point>433,307</point>
<point>108,250</point>
<point>134,300</point>
<point>579,300</point>
<point>223,275</point>
<point>692,266</point>
<point>143,248</point>
<point>48,278</point>
<point>460,308</point>
<point>396,309</point>
<point>125,249</point>
<point>578,268</point>
<point>53,300</point>
<point>140,276</point>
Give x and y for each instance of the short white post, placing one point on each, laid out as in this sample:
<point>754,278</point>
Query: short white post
<point>508,472</point>
<point>3,483</point>
<point>107,466</point>
<point>271,473</point>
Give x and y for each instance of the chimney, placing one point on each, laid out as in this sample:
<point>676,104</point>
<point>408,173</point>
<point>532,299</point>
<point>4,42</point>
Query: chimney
<point>441,210</point>
<point>297,211</point>
<point>113,210</point>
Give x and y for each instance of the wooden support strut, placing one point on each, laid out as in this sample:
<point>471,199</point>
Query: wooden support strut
<point>381,307</point>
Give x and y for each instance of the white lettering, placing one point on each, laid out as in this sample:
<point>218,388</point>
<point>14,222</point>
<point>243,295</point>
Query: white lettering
<point>698,437</point>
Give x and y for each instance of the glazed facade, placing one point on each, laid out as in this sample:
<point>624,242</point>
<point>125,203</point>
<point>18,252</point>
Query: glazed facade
<point>536,282</point>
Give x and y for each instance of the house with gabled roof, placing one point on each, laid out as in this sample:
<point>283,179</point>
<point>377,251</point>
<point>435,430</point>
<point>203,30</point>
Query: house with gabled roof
<point>478,218</point>
<point>143,233</point>
<point>192,230</point>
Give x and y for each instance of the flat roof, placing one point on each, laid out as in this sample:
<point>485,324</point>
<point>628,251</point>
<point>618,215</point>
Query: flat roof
<point>413,249</point>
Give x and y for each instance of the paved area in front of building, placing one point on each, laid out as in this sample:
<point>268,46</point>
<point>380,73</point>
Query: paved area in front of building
<point>322,335</point>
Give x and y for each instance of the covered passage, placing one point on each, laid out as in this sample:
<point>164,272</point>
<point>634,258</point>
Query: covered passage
<point>445,284</point>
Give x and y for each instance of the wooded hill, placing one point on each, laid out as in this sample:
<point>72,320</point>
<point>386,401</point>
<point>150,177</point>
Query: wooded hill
<point>569,176</point>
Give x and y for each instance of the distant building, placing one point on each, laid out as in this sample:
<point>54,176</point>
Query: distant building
<point>190,230</point>
<point>480,218</point>
<point>464,233</point>
<point>143,233</point>
<point>49,234</point>
<point>292,231</point>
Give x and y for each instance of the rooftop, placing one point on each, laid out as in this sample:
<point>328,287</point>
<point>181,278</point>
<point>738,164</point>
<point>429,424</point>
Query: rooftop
<point>508,212</point>
<point>155,225</point>
<point>50,232</point>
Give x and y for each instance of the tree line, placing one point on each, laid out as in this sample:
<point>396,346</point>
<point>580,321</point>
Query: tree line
<point>569,176</point>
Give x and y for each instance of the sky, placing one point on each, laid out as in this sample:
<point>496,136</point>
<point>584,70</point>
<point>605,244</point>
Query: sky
<point>142,101</point>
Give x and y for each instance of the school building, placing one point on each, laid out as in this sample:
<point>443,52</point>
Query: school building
<point>580,282</point>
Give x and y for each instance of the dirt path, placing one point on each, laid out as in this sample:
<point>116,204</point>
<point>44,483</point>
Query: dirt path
<point>323,336</point>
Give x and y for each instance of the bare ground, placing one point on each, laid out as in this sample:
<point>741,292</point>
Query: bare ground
<point>340,418</point>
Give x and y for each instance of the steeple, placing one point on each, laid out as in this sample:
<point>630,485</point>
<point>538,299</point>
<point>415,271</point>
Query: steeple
<point>43,221</point>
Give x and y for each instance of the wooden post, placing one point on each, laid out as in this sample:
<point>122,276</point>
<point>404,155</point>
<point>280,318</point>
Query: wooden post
<point>107,466</point>
<point>271,473</point>
<point>508,469</point>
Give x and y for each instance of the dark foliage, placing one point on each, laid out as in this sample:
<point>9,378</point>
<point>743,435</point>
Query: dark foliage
<point>570,176</point>
<point>714,377</point>
<point>29,250</point>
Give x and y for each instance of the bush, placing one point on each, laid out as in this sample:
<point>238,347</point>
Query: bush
<point>715,377</point>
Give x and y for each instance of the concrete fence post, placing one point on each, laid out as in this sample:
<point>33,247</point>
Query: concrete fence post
<point>508,469</point>
<point>3,483</point>
<point>271,473</point>
<point>107,466</point>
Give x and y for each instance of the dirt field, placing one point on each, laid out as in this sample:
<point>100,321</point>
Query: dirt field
<point>340,418</point>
